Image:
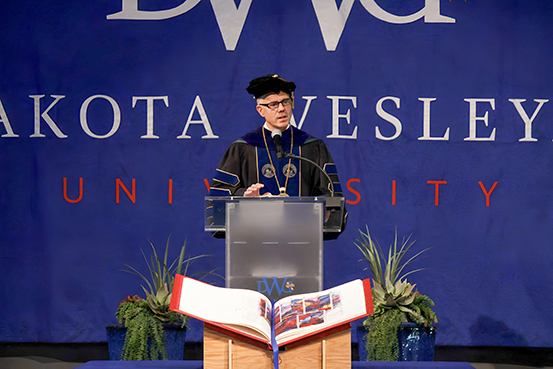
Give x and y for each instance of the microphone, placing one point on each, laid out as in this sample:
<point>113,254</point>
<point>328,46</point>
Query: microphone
<point>276,135</point>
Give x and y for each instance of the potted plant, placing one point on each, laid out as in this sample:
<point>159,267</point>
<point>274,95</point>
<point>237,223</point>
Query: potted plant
<point>147,326</point>
<point>397,305</point>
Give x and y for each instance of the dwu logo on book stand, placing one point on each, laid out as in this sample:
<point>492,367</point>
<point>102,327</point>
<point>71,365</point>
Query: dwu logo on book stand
<point>267,284</point>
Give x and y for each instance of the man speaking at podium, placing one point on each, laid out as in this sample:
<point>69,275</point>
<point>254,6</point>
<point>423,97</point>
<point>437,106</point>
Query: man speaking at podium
<point>257,165</point>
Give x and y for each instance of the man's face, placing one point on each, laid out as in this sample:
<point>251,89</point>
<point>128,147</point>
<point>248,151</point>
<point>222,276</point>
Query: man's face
<point>277,118</point>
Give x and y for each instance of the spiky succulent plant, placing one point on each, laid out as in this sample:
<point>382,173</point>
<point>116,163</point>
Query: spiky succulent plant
<point>397,295</point>
<point>144,319</point>
<point>403,297</point>
<point>395,300</point>
<point>162,276</point>
<point>159,303</point>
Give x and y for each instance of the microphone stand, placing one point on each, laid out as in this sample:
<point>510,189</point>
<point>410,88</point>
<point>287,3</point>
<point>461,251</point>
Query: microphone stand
<point>332,193</point>
<point>333,203</point>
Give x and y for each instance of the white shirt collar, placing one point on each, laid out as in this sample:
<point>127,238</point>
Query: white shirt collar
<point>267,128</point>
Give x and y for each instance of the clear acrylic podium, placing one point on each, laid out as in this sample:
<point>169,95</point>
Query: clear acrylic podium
<point>274,245</point>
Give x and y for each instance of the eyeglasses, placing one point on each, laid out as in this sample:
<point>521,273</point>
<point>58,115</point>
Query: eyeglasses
<point>274,104</point>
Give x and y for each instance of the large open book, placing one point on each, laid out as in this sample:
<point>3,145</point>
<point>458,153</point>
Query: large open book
<point>251,314</point>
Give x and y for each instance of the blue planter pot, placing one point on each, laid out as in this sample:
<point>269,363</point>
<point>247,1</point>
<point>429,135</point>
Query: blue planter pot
<point>362,342</point>
<point>175,338</point>
<point>416,343</point>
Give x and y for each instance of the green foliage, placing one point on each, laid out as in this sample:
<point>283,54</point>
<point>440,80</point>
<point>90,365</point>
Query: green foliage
<point>162,276</point>
<point>393,267</point>
<point>395,300</point>
<point>144,318</point>
<point>145,339</point>
<point>382,342</point>
<point>422,312</point>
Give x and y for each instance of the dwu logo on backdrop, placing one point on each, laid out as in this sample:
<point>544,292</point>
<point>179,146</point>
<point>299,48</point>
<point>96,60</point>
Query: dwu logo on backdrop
<point>282,285</point>
<point>332,19</point>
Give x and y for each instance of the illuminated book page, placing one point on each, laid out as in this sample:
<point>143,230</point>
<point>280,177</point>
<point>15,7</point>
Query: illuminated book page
<point>229,306</point>
<point>302,315</point>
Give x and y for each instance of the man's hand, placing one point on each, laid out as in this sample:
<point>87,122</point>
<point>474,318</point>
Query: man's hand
<point>253,190</point>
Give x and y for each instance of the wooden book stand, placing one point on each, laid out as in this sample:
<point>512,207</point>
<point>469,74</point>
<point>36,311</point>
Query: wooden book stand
<point>227,350</point>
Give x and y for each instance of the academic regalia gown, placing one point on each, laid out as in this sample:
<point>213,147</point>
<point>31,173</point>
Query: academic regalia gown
<point>247,162</point>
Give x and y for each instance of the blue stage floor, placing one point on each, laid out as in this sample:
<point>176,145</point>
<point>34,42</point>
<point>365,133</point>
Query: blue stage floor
<point>199,365</point>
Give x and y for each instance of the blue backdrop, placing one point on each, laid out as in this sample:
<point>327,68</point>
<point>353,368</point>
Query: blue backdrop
<point>437,114</point>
